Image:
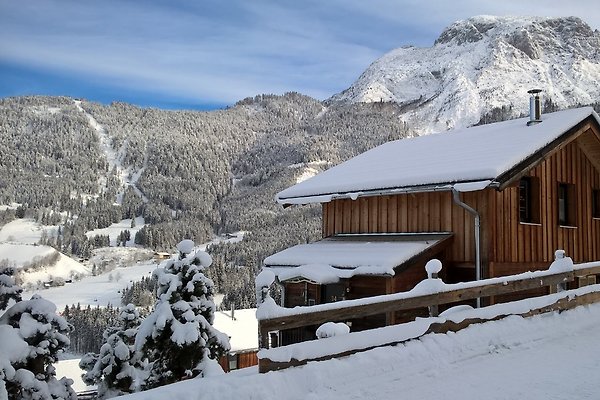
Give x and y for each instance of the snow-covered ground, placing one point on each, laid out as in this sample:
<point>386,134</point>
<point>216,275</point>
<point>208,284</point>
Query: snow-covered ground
<point>20,254</point>
<point>18,245</point>
<point>98,290</point>
<point>234,237</point>
<point>70,368</point>
<point>11,206</point>
<point>25,231</point>
<point>115,229</point>
<point>242,329</point>
<point>551,356</point>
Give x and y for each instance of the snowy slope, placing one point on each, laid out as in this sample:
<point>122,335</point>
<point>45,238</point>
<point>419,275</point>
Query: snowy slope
<point>115,229</point>
<point>552,356</point>
<point>18,246</point>
<point>99,290</point>
<point>25,231</point>
<point>20,253</point>
<point>485,63</point>
<point>65,267</point>
<point>127,176</point>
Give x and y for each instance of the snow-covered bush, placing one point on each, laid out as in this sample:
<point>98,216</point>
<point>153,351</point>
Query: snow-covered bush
<point>33,335</point>
<point>116,370</point>
<point>178,337</point>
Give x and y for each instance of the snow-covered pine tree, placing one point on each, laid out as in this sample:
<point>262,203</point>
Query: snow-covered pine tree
<point>116,370</point>
<point>33,335</point>
<point>10,339</point>
<point>178,337</point>
<point>8,289</point>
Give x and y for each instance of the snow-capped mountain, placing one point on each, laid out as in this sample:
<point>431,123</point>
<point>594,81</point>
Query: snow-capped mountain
<point>484,65</point>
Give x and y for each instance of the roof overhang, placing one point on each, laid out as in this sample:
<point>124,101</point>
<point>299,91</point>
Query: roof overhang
<point>502,153</point>
<point>521,168</point>
<point>465,186</point>
<point>344,256</point>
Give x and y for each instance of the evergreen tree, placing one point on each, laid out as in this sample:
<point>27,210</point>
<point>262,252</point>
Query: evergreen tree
<point>123,237</point>
<point>89,324</point>
<point>116,370</point>
<point>8,289</point>
<point>178,337</point>
<point>35,335</point>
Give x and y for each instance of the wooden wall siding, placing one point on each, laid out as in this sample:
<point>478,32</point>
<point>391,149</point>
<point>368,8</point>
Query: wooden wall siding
<point>247,359</point>
<point>244,359</point>
<point>504,238</point>
<point>367,286</point>
<point>295,296</point>
<point>515,242</point>
<point>408,279</point>
<point>419,212</point>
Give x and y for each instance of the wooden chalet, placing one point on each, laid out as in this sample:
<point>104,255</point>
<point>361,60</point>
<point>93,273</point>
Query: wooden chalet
<point>487,201</point>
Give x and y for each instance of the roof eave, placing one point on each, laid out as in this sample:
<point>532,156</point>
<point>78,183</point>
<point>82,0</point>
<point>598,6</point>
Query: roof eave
<point>461,186</point>
<point>443,240</point>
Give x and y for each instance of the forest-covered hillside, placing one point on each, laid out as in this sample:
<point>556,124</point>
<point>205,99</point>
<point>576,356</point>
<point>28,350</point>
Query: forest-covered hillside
<point>189,174</point>
<point>197,173</point>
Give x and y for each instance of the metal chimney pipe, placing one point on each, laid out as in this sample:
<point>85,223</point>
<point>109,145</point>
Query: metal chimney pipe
<point>535,107</point>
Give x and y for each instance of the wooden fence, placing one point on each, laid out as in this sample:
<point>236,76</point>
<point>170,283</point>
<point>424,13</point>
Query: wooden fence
<point>452,293</point>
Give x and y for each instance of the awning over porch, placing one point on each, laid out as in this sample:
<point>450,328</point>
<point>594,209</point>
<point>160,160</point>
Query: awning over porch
<point>345,256</point>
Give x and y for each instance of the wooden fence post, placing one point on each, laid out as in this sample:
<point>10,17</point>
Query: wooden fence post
<point>433,268</point>
<point>263,337</point>
<point>561,263</point>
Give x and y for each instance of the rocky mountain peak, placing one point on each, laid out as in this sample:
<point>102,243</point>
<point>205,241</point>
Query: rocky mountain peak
<point>484,64</point>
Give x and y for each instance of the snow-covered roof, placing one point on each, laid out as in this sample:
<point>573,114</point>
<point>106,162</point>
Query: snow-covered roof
<point>344,256</point>
<point>241,329</point>
<point>478,155</point>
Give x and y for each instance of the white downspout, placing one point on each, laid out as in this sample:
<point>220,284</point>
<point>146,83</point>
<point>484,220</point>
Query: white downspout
<point>458,201</point>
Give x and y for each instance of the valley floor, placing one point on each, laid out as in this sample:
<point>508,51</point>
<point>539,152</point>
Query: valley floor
<point>552,356</point>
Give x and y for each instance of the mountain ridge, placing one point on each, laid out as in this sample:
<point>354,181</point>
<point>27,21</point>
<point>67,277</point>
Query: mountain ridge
<point>484,64</point>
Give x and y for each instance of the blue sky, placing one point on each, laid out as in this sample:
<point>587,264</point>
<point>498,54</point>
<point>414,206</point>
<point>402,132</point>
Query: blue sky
<point>208,54</point>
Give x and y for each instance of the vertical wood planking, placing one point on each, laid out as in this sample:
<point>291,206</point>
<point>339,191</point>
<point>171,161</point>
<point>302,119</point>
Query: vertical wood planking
<point>543,255</point>
<point>373,214</point>
<point>383,213</point>
<point>507,239</point>
<point>393,214</point>
<point>403,213</point>
<point>346,215</point>
<point>364,215</point>
<point>435,212</point>
<point>500,221</point>
<point>339,213</point>
<point>330,218</point>
<point>324,229</point>
<point>355,226</point>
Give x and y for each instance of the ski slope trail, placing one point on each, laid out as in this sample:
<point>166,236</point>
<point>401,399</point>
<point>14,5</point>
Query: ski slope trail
<point>550,356</point>
<point>127,176</point>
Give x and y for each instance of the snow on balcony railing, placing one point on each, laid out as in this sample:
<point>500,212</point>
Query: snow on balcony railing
<point>429,293</point>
